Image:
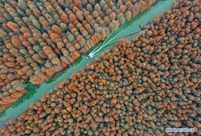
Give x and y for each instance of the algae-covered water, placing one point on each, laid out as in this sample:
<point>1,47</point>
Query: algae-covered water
<point>125,30</point>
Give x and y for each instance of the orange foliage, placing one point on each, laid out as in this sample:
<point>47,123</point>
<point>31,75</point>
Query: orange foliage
<point>64,17</point>
<point>50,72</point>
<point>36,12</point>
<point>63,64</point>
<point>60,45</point>
<point>76,54</point>
<point>89,18</point>
<point>71,26</point>
<point>27,35</point>
<point>108,11</point>
<point>33,65</point>
<point>87,26</point>
<point>111,70</point>
<point>72,17</point>
<point>78,3</point>
<point>75,9</point>
<point>111,4</point>
<point>9,45</point>
<point>2,33</point>
<point>101,14</point>
<point>13,51</point>
<point>56,29</point>
<point>94,39</point>
<point>24,30</point>
<point>38,79</point>
<point>10,64</point>
<point>71,86</point>
<point>102,37</point>
<point>79,37</point>
<point>48,52</point>
<point>26,44</point>
<point>47,4</point>
<point>12,25</point>
<point>138,43</point>
<point>15,41</point>
<point>11,59</point>
<point>16,95</point>
<point>20,72</point>
<point>122,8</point>
<point>54,36</point>
<point>31,52</point>
<point>5,26</point>
<point>11,10</point>
<point>28,12</point>
<point>23,91</point>
<point>113,100</point>
<point>76,22</point>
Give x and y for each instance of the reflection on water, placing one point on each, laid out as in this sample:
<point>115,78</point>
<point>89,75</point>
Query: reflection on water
<point>28,95</point>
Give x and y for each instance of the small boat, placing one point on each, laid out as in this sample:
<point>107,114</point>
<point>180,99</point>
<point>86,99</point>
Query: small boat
<point>141,27</point>
<point>89,56</point>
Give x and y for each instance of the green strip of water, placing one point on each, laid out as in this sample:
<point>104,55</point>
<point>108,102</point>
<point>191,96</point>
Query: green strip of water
<point>126,29</point>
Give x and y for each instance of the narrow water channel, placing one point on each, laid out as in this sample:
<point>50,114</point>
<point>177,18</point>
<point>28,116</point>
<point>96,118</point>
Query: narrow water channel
<point>125,30</point>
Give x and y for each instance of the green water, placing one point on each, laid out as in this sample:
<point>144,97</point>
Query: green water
<point>126,29</point>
